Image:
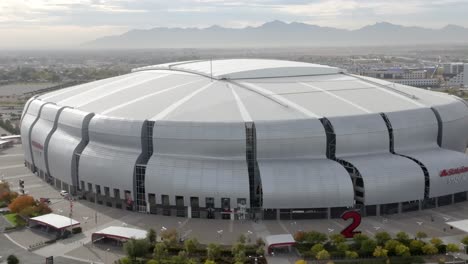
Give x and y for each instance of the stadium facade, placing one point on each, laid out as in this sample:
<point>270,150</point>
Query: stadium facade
<point>242,137</point>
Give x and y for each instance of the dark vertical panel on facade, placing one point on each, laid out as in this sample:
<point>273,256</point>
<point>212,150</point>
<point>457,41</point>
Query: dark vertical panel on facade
<point>142,161</point>
<point>255,184</point>
<point>440,126</point>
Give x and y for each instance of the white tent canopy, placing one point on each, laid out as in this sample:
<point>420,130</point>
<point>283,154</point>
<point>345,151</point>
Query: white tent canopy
<point>461,224</point>
<point>55,220</point>
<point>119,232</point>
<point>279,241</point>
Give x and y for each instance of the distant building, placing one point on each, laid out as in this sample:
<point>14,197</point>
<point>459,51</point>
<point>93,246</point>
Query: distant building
<point>456,74</point>
<point>411,77</point>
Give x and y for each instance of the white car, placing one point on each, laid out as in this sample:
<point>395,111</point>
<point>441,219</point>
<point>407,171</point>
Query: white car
<point>63,193</point>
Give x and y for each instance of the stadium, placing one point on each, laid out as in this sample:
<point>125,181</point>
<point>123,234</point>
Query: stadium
<point>242,138</point>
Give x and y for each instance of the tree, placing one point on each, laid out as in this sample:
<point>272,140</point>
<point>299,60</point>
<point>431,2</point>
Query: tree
<point>12,259</point>
<point>237,247</point>
<point>240,257</point>
<point>191,246</point>
<point>181,258</point>
<point>151,236</point>
<point>402,250</point>
<point>342,247</point>
<point>209,261</point>
<point>160,251</point>
<point>301,261</point>
<point>367,247</point>
<point>259,242</point>
<point>135,248</point>
<point>358,239</point>
<point>430,249</point>
<point>452,247</point>
<point>314,237</point>
<point>416,246</point>
<point>337,238</point>
<point>380,252</point>
<point>322,254</point>
<point>421,235</point>
<point>351,254</point>
<point>391,246</point>
<point>436,241</point>
<point>465,240</point>
<point>382,238</point>
<point>403,238</point>
<point>299,236</point>
<point>241,239</point>
<point>21,202</point>
<point>213,251</point>
<point>316,249</point>
<point>152,261</point>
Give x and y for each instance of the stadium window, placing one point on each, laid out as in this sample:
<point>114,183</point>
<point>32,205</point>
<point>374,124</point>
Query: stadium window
<point>116,193</point>
<point>90,187</point>
<point>194,202</point>
<point>106,191</point>
<point>152,198</point>
<point>98,189</point>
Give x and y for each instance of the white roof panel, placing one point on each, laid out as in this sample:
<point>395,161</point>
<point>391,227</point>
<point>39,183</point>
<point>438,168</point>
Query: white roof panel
<point>55,220</point>
<point>122,232</point>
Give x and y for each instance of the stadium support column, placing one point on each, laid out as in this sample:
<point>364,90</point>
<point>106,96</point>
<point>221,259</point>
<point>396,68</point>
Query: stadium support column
<point>255,184</point>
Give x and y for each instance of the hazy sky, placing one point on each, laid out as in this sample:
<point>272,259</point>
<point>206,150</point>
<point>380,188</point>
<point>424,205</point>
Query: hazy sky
<point>68,23</point>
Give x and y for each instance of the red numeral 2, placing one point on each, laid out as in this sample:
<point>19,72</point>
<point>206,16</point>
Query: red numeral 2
<point>349,232</point>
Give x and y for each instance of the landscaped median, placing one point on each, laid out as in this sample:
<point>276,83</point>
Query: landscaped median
<point>171,251</point>
<point>382,248</point>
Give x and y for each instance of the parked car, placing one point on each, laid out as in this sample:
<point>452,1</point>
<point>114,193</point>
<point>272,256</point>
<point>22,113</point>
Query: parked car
<point>63,193</point>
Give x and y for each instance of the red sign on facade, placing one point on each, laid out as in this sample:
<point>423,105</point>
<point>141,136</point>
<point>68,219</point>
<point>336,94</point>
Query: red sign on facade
<point>453,171</point>
<point>37,145</point>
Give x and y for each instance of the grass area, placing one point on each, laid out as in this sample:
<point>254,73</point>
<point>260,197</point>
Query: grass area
<point>15,220</point>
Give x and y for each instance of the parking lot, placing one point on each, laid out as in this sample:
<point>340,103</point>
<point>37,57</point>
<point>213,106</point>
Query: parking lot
<point>94,217</point>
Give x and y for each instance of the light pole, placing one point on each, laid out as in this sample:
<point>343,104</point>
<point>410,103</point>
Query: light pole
<point>107,252</point>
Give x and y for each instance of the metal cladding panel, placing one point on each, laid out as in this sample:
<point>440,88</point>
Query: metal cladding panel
<point>305,183</point>
<point>80,97</point>
<point>270,109</point>
<point>152,104</point>
<point>364,142</point>
<point>295,172</point>
<point>389,178</point>
<point>26,125</point>
<point>26,106</point>
<point>438,160</point>
<point>109,158</point>
<point>414,129</point>
<point>415,135</point>
<point>40,132</point>
<point>198,160</point>
<point>360,135</point>
<point>454,125</point>
<point>221,106</point>
<point>62,94</point>
<point>63,143</point>
<point>302,138</point>
<point>142,88</point>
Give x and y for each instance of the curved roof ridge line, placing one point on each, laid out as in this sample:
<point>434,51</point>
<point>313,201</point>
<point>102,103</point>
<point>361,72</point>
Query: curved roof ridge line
<point>257,92</point>
<point>411,96</point>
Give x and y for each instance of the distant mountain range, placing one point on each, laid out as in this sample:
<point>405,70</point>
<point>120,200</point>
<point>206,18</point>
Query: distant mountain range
<point>281,34</point>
